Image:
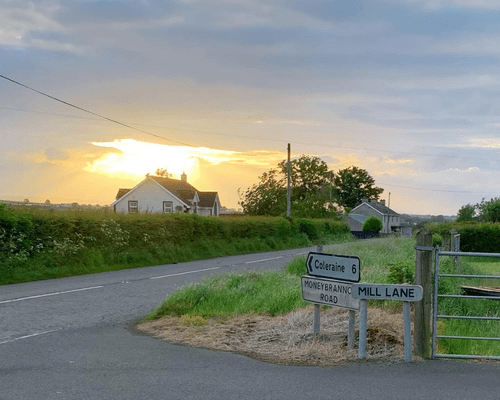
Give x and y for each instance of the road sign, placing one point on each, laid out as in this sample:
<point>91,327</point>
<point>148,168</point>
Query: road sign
<point>345,268</point>
<point>393,292</point>
<point>328,291</point>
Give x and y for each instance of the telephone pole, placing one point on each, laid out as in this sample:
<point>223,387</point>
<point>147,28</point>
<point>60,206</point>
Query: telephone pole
<point>288,187</point>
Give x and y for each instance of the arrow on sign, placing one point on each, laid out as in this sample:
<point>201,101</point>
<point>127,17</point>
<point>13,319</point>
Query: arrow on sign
<point>331,266</point>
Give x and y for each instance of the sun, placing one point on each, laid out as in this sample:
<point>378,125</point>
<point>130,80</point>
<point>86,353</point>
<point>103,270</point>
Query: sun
<point>135,158</point>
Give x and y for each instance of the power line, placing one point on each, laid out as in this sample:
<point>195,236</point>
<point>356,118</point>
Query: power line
<point>436,190</point>
<point>93,113</point>
<point>129,125</point>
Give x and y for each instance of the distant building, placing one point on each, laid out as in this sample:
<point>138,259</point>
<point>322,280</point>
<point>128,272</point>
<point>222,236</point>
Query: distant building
<point>156,194</point>
<point>390,219</point>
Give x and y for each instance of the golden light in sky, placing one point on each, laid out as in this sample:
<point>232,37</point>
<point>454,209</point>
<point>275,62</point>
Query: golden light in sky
<point>139,158</point>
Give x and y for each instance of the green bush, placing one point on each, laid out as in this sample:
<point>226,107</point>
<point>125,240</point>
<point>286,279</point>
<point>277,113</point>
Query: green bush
<point>474,236</point>
<point>307,227</point>
<point>402,271</point>
<point>372,224</point>
<point>437,240</point>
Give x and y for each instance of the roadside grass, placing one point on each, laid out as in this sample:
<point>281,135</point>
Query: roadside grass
<point>254,292</point>
<point>468,307</point>
<point>390,260</point>
<point>279,292</point>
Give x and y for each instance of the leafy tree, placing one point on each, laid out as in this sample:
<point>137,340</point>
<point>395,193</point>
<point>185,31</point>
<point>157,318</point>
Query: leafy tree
<point>351,185</point>
<point>372,224</point>
<point>310,190</point>
<point>489,211</point>
<point>268,197</point>
<point>467,213</point>
<point>162,172</point>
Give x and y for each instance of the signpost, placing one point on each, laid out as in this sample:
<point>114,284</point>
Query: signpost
<point>328,291</point>
<point>392,292</point>
<point>345,268</point>
<point>406,293</point>
<point>329,281</point>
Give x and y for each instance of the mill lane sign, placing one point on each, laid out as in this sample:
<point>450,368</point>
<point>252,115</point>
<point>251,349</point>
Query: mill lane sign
<point>392,292</point>
<point>345,268</point>
<point>328,291</point>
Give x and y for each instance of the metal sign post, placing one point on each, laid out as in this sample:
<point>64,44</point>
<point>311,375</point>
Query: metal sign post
<point>406,293</point>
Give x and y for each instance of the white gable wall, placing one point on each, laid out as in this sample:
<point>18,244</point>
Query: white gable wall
<point>149,196</point>
<point>388,221</point>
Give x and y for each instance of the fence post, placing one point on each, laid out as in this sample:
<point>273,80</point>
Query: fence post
<point>423,277</point>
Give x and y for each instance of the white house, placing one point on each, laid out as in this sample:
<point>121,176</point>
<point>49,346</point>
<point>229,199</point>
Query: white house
<point>390,219</point>
<point>156,194</point>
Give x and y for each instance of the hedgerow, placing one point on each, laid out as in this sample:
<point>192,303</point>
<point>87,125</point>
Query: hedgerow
<point>41,244</point>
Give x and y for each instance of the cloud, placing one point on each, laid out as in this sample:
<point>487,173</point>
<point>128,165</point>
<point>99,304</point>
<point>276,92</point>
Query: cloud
<point>443,4</point>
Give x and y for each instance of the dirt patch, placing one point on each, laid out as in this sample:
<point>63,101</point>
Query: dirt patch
<point>288,339</point>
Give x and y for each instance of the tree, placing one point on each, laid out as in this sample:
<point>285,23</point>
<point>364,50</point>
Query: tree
<point>372,224</point>
<point>351,185</point>
<point>489,211</point>
<point>162,172</point>
<point>467,213</point>
<point>310,190</point>
<point>268,197</point>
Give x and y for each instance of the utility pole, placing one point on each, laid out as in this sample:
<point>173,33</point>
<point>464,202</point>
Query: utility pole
<point>288,187</point>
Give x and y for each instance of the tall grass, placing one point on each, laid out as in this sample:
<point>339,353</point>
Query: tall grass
<point>253,292</point>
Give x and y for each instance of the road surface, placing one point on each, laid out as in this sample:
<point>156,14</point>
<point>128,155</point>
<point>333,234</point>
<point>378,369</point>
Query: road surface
<point>71,338</point>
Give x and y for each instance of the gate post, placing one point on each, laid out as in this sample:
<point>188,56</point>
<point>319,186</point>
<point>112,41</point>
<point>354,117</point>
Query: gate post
<point>423,277</point>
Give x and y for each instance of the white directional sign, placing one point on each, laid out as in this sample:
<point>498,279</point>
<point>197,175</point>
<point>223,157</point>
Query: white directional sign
<point>328,291</point>
<point>345,268</point>
<point>392,292</point>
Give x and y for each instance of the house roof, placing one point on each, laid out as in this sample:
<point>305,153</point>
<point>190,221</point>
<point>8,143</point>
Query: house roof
<point>358,217</point>
<point>122,192</point>
<point>381,208</point>
<point>207,199</point>
<point>181,189</point>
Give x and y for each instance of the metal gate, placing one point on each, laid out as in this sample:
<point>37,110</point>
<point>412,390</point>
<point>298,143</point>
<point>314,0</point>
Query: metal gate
<point>436,316</point>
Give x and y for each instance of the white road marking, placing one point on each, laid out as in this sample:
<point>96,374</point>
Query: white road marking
<point>28,336</point>
<point>266,259</point>
<point>49,294</point>
<point>184,273</point>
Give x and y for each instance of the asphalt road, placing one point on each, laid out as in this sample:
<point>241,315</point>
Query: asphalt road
<point>71,338</point>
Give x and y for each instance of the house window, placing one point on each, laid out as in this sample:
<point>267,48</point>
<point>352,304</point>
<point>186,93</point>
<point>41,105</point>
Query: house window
<point>168,207</point>
<point>133,206</point>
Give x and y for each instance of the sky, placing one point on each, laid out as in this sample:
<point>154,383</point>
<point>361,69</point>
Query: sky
<point>406,89</point>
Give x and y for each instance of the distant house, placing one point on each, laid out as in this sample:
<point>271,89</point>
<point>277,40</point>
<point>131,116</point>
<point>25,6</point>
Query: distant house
<point>156,194</point>
<point>390,219</point>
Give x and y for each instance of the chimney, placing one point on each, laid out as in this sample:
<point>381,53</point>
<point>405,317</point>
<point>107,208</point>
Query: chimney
<point>184,177</point>
<point>382,202</point>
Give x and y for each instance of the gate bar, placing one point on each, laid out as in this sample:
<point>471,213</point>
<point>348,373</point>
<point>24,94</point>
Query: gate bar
<point>467,356</point>
<point>467,337</point>
<point>471,254</point>
<point>471,276</point>
<point>469,297</point>
<point>464,317</point>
